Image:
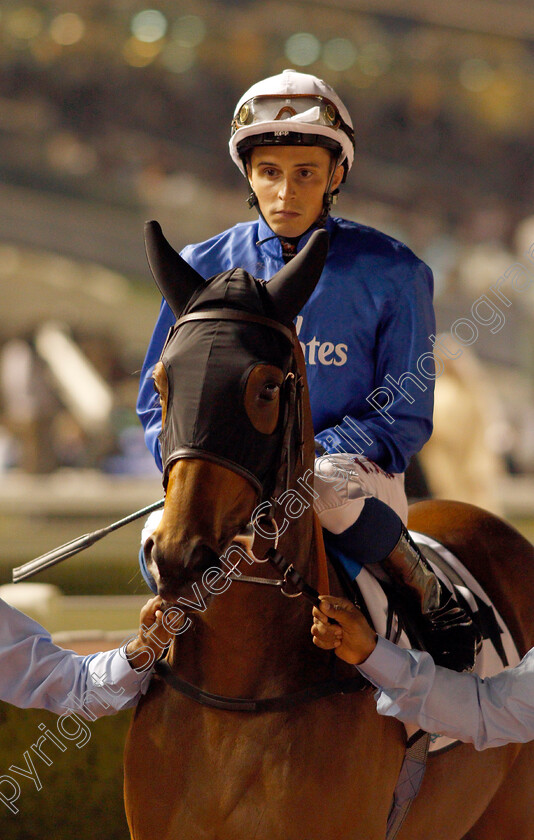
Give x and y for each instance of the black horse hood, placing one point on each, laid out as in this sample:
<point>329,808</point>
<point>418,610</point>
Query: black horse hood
<point>208,360</point>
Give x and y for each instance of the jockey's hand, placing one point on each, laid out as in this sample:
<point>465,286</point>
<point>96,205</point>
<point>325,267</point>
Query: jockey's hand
<point>351,638</point>
<point>152,637</point>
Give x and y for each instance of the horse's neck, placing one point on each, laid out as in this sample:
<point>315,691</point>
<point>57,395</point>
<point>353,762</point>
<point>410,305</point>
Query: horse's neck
<point>251,640</point>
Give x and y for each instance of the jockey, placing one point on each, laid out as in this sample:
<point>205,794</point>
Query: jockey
<point>366,334</point>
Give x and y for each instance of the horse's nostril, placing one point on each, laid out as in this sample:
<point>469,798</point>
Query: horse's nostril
<point>147,549</point>
<point>198,556</point>
<point>176,562</point>
<point>204,557</point>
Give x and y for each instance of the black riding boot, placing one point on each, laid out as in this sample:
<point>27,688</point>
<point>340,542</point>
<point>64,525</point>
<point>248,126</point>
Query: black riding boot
<point>447,631</point>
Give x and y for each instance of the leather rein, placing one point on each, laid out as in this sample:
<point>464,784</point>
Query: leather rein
<point>291,582</point>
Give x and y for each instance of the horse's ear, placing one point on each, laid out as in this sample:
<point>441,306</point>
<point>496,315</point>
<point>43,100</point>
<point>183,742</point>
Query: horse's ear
<point>291,287</point>
<point>174,277</point>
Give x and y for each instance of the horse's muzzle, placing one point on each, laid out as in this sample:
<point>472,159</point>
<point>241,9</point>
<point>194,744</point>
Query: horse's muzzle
<point>186,564</point>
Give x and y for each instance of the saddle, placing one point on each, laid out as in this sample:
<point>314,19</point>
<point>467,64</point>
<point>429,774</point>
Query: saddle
<point>393,618</point>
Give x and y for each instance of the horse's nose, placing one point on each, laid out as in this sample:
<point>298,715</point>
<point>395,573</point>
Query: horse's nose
<point>148,548</point>
<point>181,559</point>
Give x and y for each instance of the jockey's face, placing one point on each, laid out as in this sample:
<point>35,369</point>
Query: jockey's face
<point>290,182</point>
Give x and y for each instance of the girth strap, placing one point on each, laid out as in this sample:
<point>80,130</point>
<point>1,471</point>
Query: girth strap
<point>410,779</point>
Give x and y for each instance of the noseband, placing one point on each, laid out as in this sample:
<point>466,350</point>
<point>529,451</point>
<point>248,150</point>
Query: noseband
<point>280,703</point>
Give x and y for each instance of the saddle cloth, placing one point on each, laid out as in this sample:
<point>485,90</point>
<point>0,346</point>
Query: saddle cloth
<point>498,648</point>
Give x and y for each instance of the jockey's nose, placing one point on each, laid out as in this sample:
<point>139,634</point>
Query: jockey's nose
<point>286,189</point>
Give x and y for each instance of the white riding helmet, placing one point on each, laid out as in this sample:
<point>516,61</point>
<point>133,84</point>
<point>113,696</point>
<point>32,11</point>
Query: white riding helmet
<point>292,109</point>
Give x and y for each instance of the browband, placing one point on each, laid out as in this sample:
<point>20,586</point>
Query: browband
<point>235,315</point>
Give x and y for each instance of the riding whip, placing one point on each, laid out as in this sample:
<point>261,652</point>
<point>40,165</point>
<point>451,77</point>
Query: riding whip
<point>69,549</point>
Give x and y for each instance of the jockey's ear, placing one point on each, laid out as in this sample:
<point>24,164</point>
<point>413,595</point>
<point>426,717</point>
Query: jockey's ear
<point>175,278</point>
<point>337,179</point>
<point>291,287</point>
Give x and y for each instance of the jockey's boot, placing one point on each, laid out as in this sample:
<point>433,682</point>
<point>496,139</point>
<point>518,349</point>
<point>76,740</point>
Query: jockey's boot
<point>446,630</point>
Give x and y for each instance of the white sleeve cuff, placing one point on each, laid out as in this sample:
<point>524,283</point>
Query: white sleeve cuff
<point>121,685</point>
<point>388,664</point>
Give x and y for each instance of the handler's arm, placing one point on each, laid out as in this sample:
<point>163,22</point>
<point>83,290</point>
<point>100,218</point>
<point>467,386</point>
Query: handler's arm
<point>410,687</point>
<point>486,713</point>
<point>36,673</point>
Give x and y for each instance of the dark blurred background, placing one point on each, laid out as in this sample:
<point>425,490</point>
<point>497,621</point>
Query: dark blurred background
<point>113,112</point>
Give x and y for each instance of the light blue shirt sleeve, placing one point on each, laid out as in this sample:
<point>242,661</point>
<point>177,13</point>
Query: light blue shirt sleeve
<point>486,713</point>
<point>36,673</point>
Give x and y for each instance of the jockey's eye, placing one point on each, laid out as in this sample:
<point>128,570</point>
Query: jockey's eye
<point>269,391</point>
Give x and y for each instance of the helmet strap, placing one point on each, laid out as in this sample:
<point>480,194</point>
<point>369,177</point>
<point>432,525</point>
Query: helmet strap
<point>252,199</point>
<point>329,197</point>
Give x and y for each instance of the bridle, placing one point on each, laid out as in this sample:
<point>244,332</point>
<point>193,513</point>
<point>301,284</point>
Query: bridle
<point>291,583</point>
<point>280,703</point>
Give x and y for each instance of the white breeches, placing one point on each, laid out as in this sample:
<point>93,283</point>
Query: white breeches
<point>345,481</point>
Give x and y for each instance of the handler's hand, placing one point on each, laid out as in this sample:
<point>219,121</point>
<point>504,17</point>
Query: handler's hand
<point>351,638</point>
<point>152,637</point>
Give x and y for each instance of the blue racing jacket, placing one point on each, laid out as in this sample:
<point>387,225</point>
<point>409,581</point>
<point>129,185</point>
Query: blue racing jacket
<point>365,333</point>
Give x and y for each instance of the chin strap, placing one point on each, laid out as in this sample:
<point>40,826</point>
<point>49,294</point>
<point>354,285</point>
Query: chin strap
<point>329,197</point>
<point>252,200</point>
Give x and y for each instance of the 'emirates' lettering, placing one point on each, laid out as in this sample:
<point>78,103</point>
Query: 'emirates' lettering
<point>321,353</point>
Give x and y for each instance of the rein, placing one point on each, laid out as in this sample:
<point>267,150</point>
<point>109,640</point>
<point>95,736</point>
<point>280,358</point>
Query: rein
<point>281,703</point>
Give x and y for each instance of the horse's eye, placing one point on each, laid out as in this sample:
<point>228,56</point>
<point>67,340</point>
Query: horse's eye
<point>269,391</point>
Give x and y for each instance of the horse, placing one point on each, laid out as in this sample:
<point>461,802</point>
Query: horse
<point>237,432</point>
